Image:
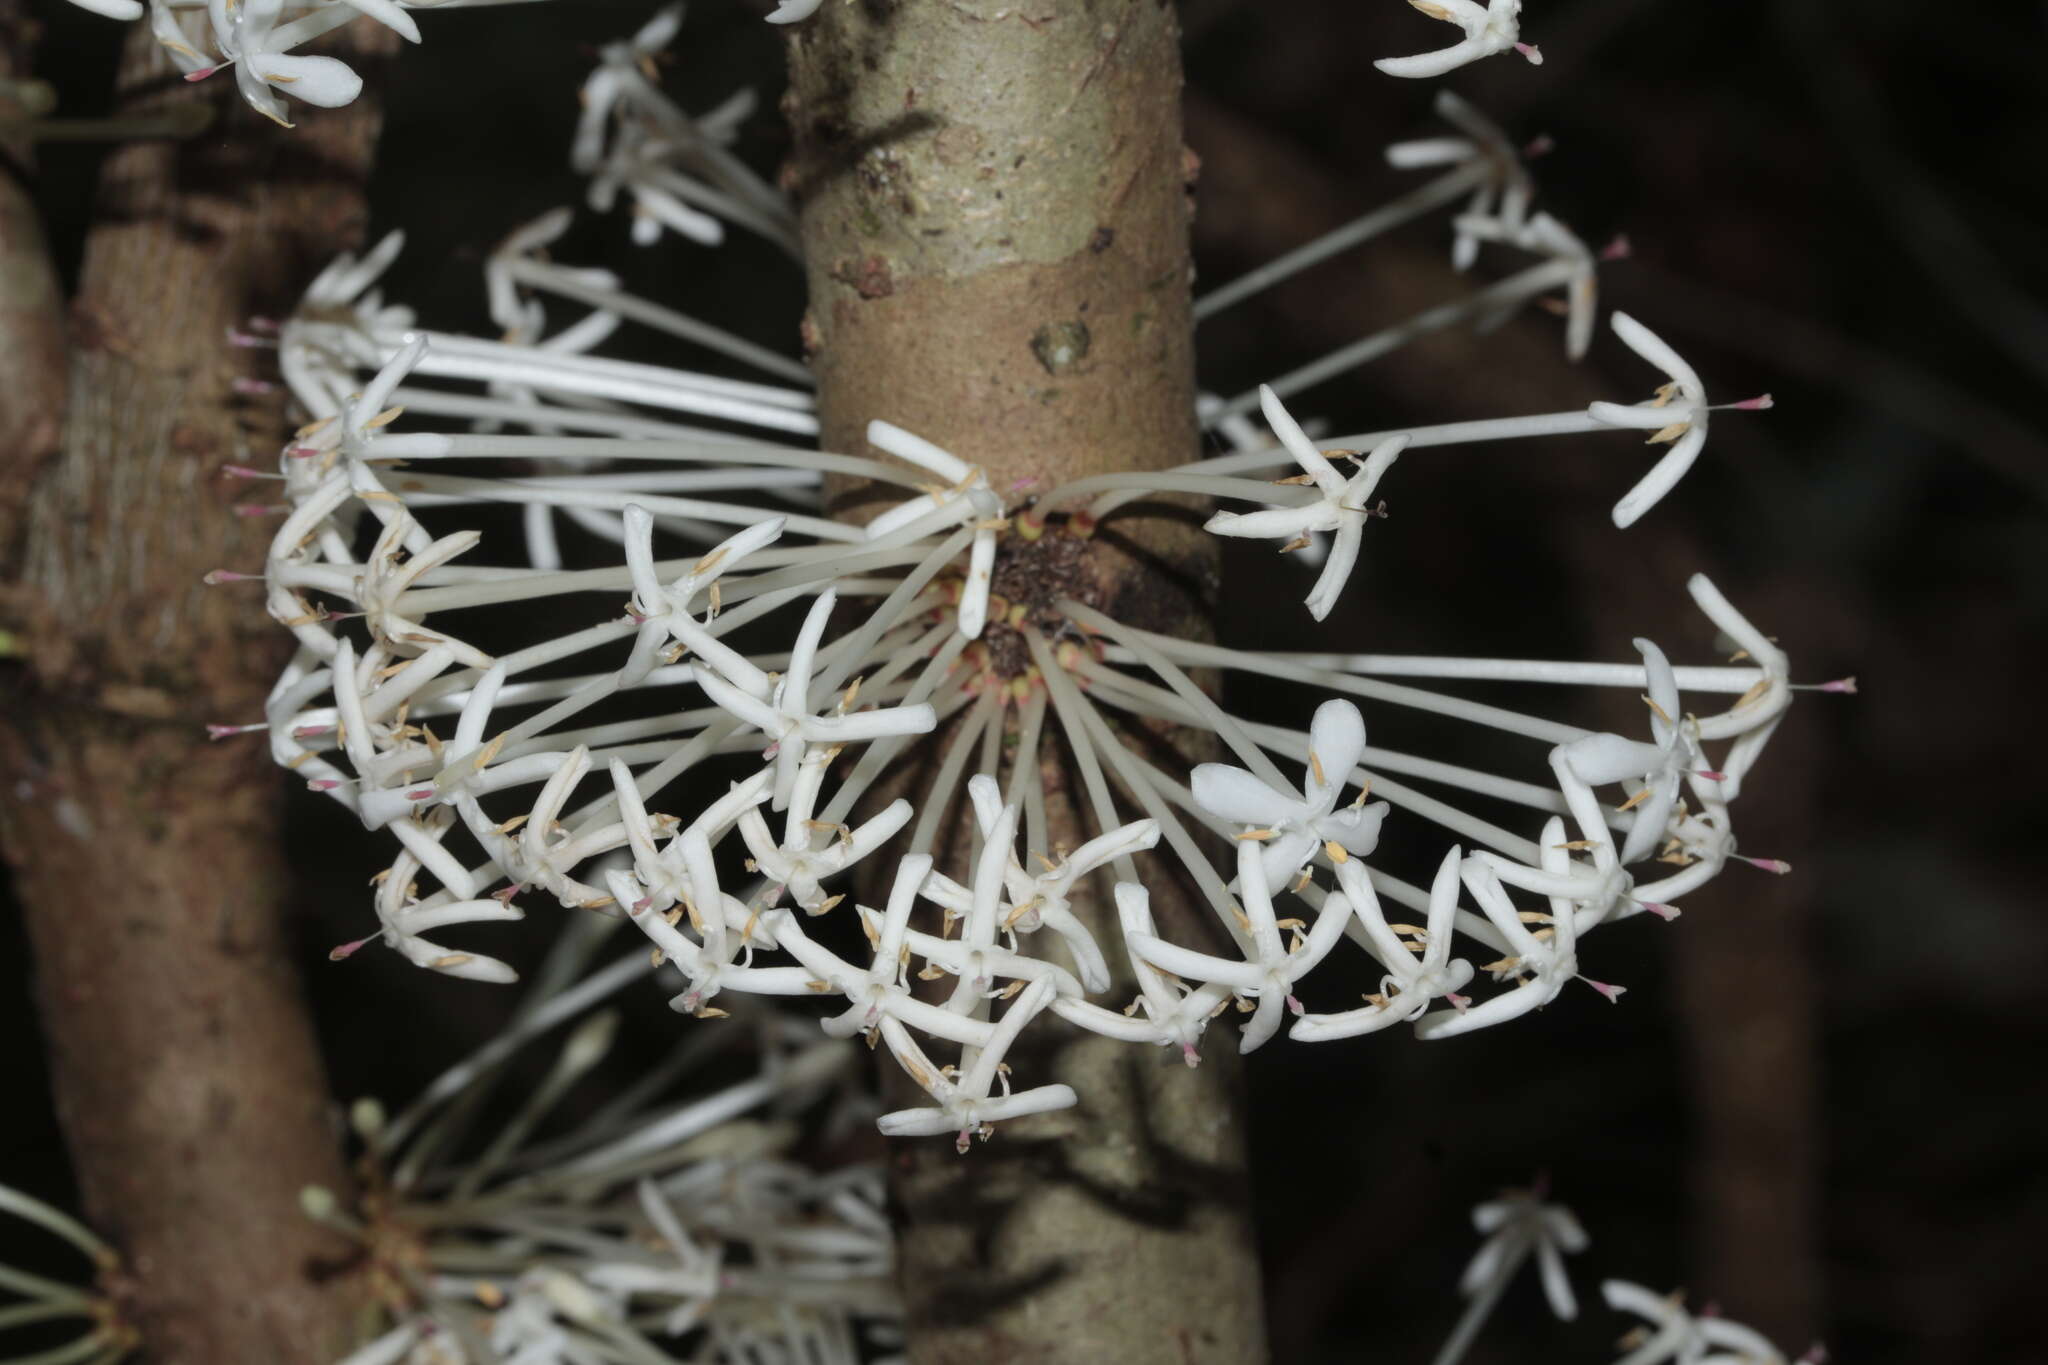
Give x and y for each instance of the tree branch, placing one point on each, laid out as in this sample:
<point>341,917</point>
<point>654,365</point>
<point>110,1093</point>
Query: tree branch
<point>186,1072</point>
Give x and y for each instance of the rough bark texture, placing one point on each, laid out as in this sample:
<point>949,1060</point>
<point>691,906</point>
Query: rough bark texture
<point>32,354</point>
<point>146,859</point>
<point>995,220</point>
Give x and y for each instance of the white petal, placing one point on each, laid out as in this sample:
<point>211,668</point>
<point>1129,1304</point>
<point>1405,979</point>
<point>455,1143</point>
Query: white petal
<point>1235,795</point>
<point>1337,738</point>
<point>1297,442</point>
<point>1430,64</point>
<point>1663,476</point>
<point>1603,758</point>
<point>316,80</point>
<point>792,12</point>
<point>1652,348</point>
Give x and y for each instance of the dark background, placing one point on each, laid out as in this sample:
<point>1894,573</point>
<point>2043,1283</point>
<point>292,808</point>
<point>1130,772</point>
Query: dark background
<point>1817,1103</point>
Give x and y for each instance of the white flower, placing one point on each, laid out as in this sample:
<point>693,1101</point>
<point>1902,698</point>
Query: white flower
<point>1410,982</point>
<point>1041,900</point>
<point>246,38</point>
<point>1162,1013</point>
<point>973,957</point>
<point>1514,1225</point>
<point>662,873</point>
<point>1502,198</point>
<point>1753,718</point>
<point>1678,414</point>
<point>1489,29</point>
<point>786,717</point>
<point>406,921</point>
<point>1658,767</point>
<point>966,481</point>
<point>1292,827</point>
<point>1543,961</point>
<point>1675,1335</point>
<point>965,1106</point>
<point>693,1280</point>
<point>727,929</point>
<point>883,990</point>
<point>799,863</point>
<point>1542,235</point>
<point>666,611</point>
<point>1273,969</point>
<point>1342,506</point>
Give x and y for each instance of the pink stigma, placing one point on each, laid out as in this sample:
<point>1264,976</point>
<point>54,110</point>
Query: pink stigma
<point>220,576</point>
<point>1541,145</point>
<point>1189,1055</point>
<point>1711,775</point>
<point>1756,404</point>
<point>347,950</point>
<point>201,74</point>
<point>323,784</point>
<point>1532,52</point>
<point>259,509</point>
<point>225,731</point>
<point>1457,1000</point>
<point>1777,866</point>
<point>1660,910</point>
<point>1294,1005</point>
<point>424,794</point>
<point>1617,250</point>
<point>504,895</point>
<point>1613,993</point>
<point>242,471</point>
<point>1847,685</point>
<point>244,384</point>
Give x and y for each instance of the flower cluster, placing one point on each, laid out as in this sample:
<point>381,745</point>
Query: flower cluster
<point>1520,1224</point>
<point>695,735</point>
<point>675,1222</point>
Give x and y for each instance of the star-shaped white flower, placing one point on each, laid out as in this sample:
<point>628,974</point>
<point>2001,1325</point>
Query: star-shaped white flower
<point>1678,414</point>
<point>1269,975</point>
<point>1502,198</point>
<point>249,39</point>
<point>1489,29</point>
<point>1163,1013</point>
<point>1670,1333</point>
<point>964,1106</point>
<point>884,989</point>
<point>1540,961</point>
<point>1040,901</point>
<point>1292,827</point>
<point>966,481</point>
<point>787,719</point>
<point>1410,982</point>
<point>692,1282</point>
<point>1514,1225</point>
<point>662,872</point>
<point>726,929</point>
<point>1342,506</point>
<point>1755,715</point>
<point>810,852</point>
<point>405,921</point>
<point>1658,769</point>
<point>1542,235</point>
<point>665,611</point>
